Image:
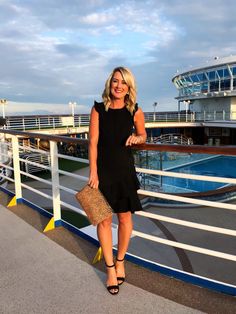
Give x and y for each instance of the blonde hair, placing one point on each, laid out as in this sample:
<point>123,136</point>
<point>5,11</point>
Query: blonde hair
<point>130,97</point>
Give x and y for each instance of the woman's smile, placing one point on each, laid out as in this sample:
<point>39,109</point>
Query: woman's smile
<point>119,88</point>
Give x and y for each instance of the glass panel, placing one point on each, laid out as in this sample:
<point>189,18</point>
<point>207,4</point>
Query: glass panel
<point>225,84</point>
<point>194,78</point>
<point>202,77</point>
<point>220,72</point>
<point>226,73</point>
<point>234,83</point>
<point>204,87</point>
<point>233,70</point>
<point>212,75</point>
<point>214,86</point>
<point>187,79</point>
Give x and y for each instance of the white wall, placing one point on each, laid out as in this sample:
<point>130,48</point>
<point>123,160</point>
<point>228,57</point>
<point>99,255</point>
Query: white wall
<point>213,104</point>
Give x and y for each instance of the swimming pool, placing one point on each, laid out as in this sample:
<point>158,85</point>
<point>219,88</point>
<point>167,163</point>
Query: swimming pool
<point>219,166</point>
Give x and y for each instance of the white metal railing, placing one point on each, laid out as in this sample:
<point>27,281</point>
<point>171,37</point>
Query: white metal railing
<point>56,191</point>
<point>173,139</point>
<point>46,122</point>
<point>53,122</point>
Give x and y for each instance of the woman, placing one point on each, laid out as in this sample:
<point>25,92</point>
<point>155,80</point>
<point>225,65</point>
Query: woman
<point>112,165</point>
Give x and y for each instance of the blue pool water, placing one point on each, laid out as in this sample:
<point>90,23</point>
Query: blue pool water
<point>220,166</point>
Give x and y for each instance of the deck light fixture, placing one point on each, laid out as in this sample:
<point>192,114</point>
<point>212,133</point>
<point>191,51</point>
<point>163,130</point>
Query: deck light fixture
<point>154,111</point>
<point>72,105</point>
<point>3,102</point>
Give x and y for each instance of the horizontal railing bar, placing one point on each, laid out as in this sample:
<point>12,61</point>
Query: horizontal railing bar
<point>6,166</point>
<point>216,150</point>
<point>67,189</point>
<point>55,138</point>
<point>8,178</point>
<point>187,176</point>
<point>188,223</point>
<point>76,209</point>
<point>187,200</point>
<point>86,161</point>
<point>36,178</point>
<point>70,174</point>
<point>38,150</point>
<point>183,246</point>
<point>36,191</point>
<point>79,211</point>
<point>34,164</point>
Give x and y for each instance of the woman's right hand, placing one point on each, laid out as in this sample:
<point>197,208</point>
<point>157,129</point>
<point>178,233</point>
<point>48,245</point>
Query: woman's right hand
<point>93,180</point>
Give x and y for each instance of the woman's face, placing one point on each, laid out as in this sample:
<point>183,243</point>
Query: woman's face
<point>118,86</point>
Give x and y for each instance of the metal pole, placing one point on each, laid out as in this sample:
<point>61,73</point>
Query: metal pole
<point>154,111</point>
<point>186,110</point>
<point>16,166</point>
<point>55,184</point>
<point>3,102</point>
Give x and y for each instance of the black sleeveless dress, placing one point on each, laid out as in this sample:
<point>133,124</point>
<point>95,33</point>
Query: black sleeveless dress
<point>116,172</point>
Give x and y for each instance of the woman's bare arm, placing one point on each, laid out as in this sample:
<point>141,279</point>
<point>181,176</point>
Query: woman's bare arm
<point>93,141</point>
<point>141,135</point>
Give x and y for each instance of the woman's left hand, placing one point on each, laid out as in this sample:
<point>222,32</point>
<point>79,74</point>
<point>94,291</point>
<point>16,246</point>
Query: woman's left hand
<point>133,139</point>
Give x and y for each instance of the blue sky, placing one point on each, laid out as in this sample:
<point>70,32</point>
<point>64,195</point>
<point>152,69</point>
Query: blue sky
<point>56,51</point>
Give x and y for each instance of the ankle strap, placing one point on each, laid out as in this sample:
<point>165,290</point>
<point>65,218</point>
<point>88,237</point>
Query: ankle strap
<point>109,266</point>
<point>120,260</point>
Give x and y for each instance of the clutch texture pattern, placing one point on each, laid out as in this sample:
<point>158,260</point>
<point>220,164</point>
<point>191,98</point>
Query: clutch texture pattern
<point>94,204</point>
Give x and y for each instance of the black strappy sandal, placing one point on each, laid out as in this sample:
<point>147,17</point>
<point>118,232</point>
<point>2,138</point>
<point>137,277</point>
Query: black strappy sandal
<point>121,279</point>
<point>114,289</point>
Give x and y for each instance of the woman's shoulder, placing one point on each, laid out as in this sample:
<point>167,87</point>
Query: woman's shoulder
<point>137,109</point>
<point>99,106</point>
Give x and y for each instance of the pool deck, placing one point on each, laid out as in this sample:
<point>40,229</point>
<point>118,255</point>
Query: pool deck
<point>52,273</point>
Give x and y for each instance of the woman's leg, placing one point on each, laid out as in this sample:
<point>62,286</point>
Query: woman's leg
<point>104,232</point>
<point>125,228</point>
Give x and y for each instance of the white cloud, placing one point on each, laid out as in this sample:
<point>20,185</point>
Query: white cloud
<point>57,51</point>
<point>97,19</point>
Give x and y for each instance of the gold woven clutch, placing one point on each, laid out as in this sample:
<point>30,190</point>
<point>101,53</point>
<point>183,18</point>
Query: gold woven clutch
<point>94,204</point>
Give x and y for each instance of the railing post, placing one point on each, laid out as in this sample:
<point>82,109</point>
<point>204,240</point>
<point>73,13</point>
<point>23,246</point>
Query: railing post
<point>23,122</point>
<point>223,115</point>
<point>55,184</point>
<point>16,166</point>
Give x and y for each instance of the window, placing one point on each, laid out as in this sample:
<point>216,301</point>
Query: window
<point>212,75</point>
<point>214,86</point>
<point>225,84</point>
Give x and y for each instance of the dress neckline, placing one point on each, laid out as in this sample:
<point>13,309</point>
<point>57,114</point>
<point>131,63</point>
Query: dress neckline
<point>117,108</point>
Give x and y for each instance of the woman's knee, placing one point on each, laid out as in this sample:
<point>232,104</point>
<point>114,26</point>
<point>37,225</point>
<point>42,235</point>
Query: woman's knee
<point>106,223</point>
<point>125,218</point>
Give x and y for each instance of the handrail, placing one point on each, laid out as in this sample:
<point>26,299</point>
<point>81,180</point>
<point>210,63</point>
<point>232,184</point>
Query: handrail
<point>219,150</point>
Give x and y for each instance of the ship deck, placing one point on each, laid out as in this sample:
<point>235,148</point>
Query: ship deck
<point>52,272</point>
